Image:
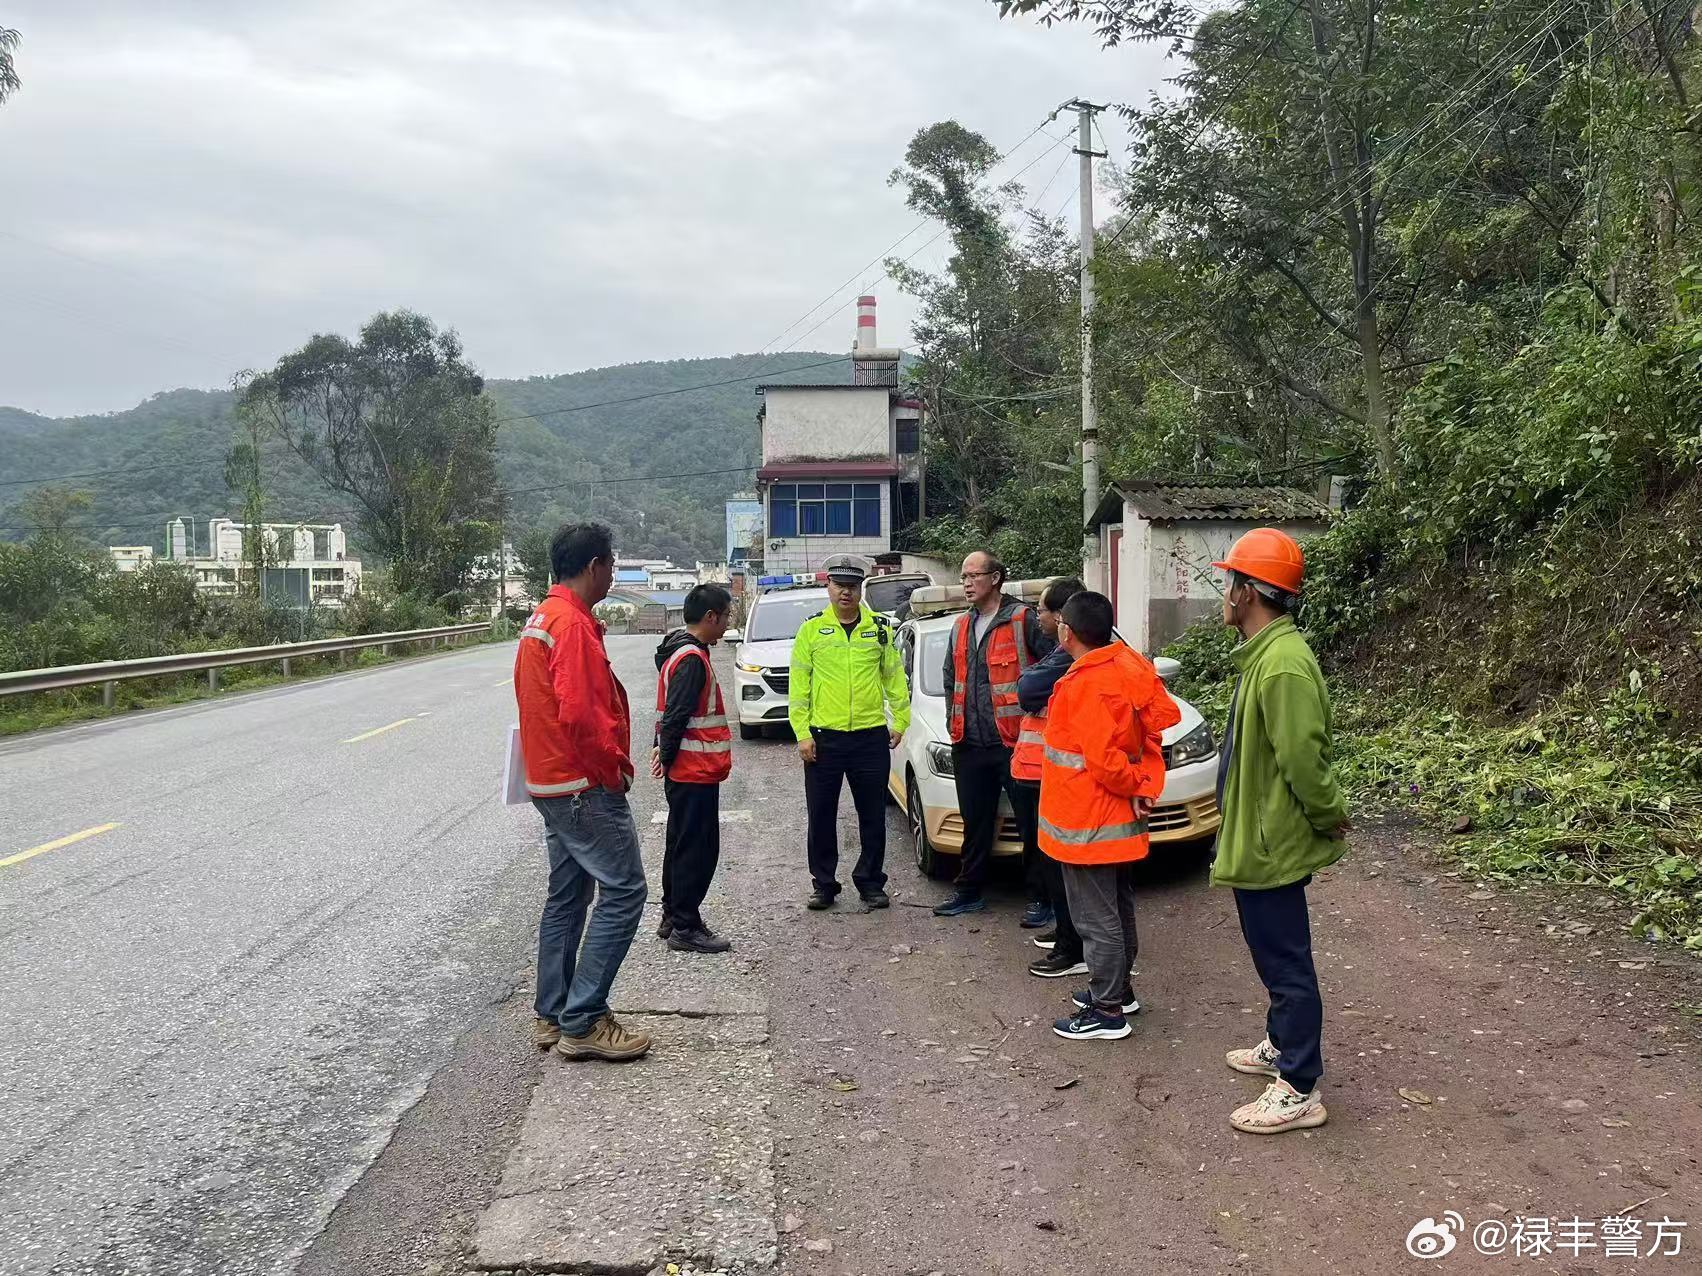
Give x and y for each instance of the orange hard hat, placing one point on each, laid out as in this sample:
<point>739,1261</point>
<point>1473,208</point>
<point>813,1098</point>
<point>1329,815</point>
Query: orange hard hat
<point>1267,555</point>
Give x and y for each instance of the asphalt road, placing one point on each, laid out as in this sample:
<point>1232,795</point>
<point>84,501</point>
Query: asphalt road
<point>276,1021</point>
<point>216,1012</point>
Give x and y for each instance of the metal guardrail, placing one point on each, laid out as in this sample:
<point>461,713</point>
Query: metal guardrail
<point>107,674</point>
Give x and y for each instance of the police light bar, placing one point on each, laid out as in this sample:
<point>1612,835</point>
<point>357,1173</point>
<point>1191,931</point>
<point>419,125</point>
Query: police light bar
<point>793,579</point>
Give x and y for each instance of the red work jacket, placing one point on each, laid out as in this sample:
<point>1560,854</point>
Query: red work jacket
<point>575,724</point>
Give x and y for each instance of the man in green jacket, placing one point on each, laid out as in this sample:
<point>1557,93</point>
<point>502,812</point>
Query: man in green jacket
<point>849,706</point>
<point>1284,818</point>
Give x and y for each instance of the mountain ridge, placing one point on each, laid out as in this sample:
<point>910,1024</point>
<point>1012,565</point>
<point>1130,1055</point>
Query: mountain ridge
<point>694,418</point>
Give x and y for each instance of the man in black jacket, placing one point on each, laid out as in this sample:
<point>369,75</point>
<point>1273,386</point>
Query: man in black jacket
<point>693,754</point>
<point>1034,694</point>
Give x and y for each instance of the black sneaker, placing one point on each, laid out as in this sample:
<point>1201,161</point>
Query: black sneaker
<point>665,927</point>
<point>960,903</point>
<point>1047,940</point>
<point>1130,1005</point>
<point>876,899</point>
<point>1037,916</point>
<point>820,899</point>
<point>1055,965</point>
<point>699,939</point>
<point>1093,1025</point>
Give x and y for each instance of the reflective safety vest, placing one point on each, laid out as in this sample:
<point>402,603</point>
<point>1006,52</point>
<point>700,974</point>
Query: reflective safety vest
<point>706,748</point>
<point>1007,658</point>
<point>1030,747</point>
<point>1103,749</point>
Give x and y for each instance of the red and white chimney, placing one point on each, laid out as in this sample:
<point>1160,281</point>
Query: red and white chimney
<point>866,324</point>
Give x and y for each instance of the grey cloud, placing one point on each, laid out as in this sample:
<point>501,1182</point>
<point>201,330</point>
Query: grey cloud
<point>191,188</point>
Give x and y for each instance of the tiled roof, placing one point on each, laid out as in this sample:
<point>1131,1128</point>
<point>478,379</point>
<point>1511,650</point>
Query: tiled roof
<point>1171,500</point>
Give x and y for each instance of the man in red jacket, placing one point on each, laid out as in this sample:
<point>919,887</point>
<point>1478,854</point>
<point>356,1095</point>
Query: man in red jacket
<point>575,734</point>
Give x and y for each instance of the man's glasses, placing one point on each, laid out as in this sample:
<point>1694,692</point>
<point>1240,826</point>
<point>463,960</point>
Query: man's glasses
<point>969,576</point>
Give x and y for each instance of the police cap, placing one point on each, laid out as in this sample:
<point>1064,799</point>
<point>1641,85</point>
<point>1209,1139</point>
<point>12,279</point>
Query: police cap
<point>847,569</point>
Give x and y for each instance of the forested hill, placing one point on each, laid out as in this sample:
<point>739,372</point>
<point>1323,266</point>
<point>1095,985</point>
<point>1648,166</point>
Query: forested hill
<point>170,454</point>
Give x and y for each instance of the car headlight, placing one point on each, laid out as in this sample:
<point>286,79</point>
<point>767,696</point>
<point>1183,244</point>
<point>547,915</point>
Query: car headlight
<point>940,759</point>
<point>1197,744</point>
<point>741,665</point>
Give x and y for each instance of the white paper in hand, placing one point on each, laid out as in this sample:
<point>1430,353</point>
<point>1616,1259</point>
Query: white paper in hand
<point>514,772</point>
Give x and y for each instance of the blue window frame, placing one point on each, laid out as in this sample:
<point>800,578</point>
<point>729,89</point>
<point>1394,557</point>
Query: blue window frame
<point>824,509</point>
<point>783,510</point>
<point>866,519</point>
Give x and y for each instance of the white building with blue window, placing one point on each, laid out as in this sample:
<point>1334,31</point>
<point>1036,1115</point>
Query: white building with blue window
<point>842,467</point>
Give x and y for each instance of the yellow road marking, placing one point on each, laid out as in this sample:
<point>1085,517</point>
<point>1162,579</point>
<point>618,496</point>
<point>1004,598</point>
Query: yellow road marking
<point>367,735</point>
<point>45,847</point>
<point>506,682</point>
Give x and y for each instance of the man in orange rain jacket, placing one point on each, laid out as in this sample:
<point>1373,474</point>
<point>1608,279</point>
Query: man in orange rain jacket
<point>1102,771</point>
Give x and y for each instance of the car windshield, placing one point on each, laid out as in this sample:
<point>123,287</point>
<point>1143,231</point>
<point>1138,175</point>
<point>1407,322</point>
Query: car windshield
<point>776,616</point>
<point>889,595</point>
<point>931,662</point>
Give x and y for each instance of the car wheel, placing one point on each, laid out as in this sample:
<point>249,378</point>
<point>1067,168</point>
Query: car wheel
<point>749,732</point>
<point>928,860</point>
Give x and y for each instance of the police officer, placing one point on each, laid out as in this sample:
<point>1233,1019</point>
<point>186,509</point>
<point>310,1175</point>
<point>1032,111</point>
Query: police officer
<point>850,705</point>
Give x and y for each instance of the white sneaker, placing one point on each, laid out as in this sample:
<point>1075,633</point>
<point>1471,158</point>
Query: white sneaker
<point>1281,1107</point>
<point>1260,1061</point>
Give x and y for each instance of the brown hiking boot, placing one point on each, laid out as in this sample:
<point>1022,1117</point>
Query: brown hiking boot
<point>545,1033</point>
<point>606,1040</point>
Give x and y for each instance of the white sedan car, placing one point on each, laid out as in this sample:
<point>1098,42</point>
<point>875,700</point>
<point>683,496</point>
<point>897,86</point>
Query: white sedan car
<point>921,780</point>
<point>762,664</point>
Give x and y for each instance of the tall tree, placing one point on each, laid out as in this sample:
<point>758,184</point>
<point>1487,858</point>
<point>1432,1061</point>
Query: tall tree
<point>398,422</point>
<point>1318,143</point>
<point>9,81</point>
<point>986,332</point>
<point>51,512</point>
<point>244,478</point>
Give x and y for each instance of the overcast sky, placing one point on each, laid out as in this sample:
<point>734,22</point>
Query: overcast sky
<point>190,187</point>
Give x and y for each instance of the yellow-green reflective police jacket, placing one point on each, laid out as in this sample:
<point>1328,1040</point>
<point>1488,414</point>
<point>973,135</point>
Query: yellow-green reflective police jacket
<point>843,682</point>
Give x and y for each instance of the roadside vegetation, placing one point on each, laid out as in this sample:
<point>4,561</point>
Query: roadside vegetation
<point>63,602</point>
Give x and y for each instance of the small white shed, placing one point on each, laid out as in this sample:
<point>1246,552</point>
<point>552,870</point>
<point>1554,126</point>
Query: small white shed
<point>1161,536</point>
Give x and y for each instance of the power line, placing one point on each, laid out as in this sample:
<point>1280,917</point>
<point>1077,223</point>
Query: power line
<point>658,394</point>
<point>322,515</point>
<point>123,469</point>
<point>863,270</point>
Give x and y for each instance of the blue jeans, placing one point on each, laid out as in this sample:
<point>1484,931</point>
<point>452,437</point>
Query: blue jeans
<point>593,843</point>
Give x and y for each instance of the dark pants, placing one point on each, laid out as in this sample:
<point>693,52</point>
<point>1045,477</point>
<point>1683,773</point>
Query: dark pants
<point>1279,935</point>
<point>691,851</point>
<point>1025,800</point>
<point>1025,805</point>
<point>982,774</point>
<point>1102,900</point>
<point>862,757</point>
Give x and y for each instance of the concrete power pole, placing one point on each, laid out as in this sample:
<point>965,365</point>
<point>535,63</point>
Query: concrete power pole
<point>1093,569</point>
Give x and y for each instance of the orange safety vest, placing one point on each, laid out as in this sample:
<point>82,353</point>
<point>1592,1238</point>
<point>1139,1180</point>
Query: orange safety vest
<point>1007,658</point>
<point>1030,748</point>
<point>706,748</point>
<point>1087,816</point>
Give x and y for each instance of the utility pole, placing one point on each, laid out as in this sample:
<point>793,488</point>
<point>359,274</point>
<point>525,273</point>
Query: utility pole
<point>1092,568</point>
<point>501,559</point>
